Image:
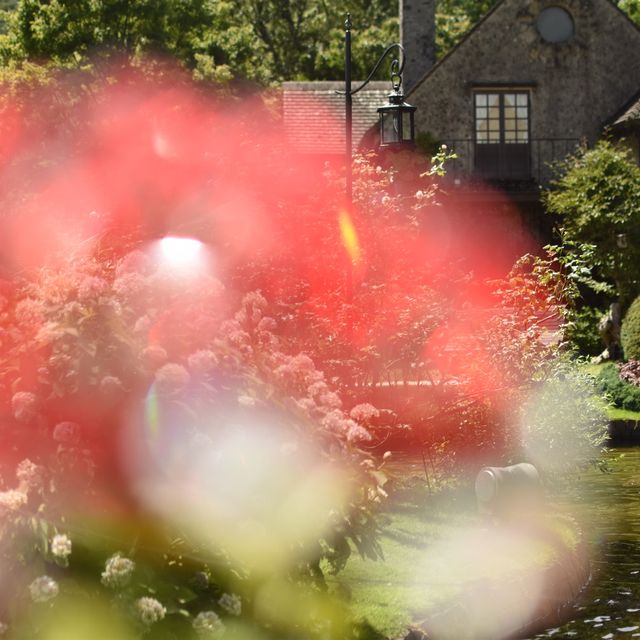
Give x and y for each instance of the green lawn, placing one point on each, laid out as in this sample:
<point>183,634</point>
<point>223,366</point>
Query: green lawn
<point>613,413</point>
<point>434,548</point>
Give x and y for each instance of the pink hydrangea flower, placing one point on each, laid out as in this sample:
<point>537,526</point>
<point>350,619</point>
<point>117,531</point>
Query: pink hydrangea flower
<point>330,400</point>
<point>135,262</point>
<point>267,324</point>
<point>24,406</point>
<point>30,475</point>
<point>202,362</point>
<point>356,433</point>
<point>91,288</point>
<point>142,325</point>
<point>172,378</point>
<point>111,385</point>
<point>28,311</point>
<point>153,357</point>
<point>130,286</point>
<point>364,412</point>
<point>67,433</point>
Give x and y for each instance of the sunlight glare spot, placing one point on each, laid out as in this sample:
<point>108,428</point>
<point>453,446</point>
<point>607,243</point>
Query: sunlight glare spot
<point>181,253</point>
<point>349,236</point>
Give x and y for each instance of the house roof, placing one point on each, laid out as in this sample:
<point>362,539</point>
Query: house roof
<point>466,36</point>
<point>314,114</point>
<point>629,114</point>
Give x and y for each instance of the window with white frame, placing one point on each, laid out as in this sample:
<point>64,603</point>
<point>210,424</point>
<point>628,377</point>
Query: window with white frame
<point>501,117</point>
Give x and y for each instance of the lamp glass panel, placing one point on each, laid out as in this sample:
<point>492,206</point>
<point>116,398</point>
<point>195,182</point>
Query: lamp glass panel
<point>406,125</point>
<point>389,127</point>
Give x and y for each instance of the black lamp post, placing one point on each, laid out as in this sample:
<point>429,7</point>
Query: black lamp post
<point>397,130</point>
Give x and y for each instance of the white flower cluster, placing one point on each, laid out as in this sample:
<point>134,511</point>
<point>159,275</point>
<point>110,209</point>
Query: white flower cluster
<point>150,610</point>
<point>231,603</point>
<point>208,624</point>
<point>61,546</point>
<point>118,571</point>
<point>43,589</point>
<point>12,499</point>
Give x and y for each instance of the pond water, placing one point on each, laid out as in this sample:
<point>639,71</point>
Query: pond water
<point>608,506</point>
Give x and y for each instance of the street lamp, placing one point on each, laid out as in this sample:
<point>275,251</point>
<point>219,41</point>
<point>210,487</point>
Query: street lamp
<point>396,117</point>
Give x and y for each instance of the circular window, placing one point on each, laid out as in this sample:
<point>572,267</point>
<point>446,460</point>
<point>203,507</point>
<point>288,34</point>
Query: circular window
<point>555,24</point>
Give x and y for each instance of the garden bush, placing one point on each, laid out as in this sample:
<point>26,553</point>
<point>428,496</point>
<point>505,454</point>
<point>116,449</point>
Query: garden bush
<point>620,393</point>
<point>630,332</point>
<point>582,331</point>
<point>564,423</point>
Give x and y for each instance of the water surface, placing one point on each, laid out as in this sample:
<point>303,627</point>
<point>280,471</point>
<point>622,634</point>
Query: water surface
<point>608,506</point>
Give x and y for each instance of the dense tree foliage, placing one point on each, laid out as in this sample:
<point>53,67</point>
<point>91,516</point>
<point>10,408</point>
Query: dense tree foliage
<point>598,203</point>
<point>262,41</point>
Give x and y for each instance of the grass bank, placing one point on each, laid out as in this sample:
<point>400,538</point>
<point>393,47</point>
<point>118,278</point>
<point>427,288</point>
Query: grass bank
<point>435,548</point>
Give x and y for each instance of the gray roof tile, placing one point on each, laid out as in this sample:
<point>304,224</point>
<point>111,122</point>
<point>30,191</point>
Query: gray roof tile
<point>314,114</point>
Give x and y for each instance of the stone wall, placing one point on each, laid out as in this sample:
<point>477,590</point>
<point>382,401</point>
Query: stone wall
<point>418,37</point>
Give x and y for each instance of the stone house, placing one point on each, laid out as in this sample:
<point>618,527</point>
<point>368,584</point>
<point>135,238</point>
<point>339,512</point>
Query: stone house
<point>527,84</point>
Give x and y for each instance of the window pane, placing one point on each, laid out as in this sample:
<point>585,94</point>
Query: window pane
<point>481,99</point>
<point>522,112</point>
<point>406,125</point>
<point>509,99</point>
<point>481,112</point>
<point>494,112</point>
<point>523,125</point>
<point>521,99</point>
<point>523,136</point>
<point>510,136</point>
<point>494,99</point>
<point>494,136</point>
<point>509,112</point>
<point>482,137</point>
<point>510,125</point>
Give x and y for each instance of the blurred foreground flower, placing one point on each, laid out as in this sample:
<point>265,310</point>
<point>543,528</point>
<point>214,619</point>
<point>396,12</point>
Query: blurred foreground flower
<point>150,610</point>
<point>231,603</point>
<point>61,546</point>
<point>43,589</point>
<point>207,624</point>
<point>118,571</point>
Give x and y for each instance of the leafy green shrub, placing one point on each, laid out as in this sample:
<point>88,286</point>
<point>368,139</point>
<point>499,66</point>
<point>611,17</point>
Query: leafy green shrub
<point>630,334</point>
<point>620,393</point>
<point>563,421</point>
<point>582,331</point>
<point>597,199</point>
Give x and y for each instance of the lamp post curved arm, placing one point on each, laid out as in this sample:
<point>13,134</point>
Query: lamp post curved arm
<point>397,66</point>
